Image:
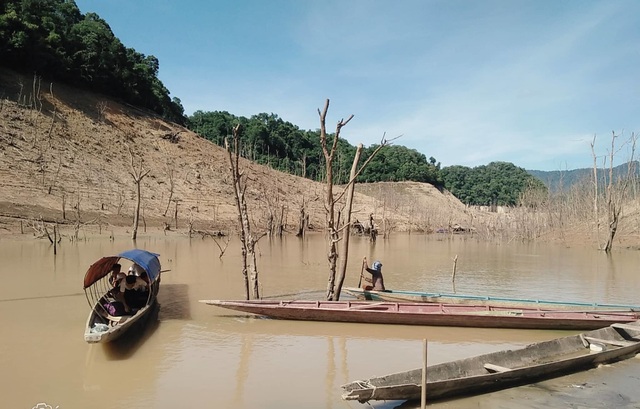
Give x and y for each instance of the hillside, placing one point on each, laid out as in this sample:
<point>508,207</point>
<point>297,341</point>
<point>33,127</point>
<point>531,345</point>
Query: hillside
<point>66,157</point>
<point>559,181</point>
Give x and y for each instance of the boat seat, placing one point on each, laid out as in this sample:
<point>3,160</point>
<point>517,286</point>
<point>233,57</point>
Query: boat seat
<point>496,368</point>
<point>626,326</point>
<point>114,319</point>
<point>119,318</point>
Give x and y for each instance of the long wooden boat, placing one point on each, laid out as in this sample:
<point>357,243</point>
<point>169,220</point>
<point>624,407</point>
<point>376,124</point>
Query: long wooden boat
<point>503,369</point>
<point>418,296</point>
<point>106,322</point>
<point>460,315</point>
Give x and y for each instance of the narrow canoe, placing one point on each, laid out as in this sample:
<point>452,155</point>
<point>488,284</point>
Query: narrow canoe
<point>503,369</point>
<point>418,296</point>
<point>102,325</point>
<point>432,314</point>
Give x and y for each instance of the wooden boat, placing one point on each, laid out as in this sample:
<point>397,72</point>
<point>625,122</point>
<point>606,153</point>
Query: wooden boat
<point>105,323</point>
<point>418,296</point>
<point>503,369</point>
<point>435,314</point>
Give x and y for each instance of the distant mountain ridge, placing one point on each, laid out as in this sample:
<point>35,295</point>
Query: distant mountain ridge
<point>559,180</point>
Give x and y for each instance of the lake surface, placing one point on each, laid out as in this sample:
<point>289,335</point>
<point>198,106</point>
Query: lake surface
<point>193,355</point>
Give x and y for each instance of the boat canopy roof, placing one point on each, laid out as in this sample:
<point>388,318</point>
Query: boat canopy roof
<point>145,259</point>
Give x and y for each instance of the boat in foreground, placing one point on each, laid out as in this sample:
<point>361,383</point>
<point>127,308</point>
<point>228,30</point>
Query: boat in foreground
<point>418,296</point>
<point>452,315</point>
<point>108,320</point>
<point>503,369</point>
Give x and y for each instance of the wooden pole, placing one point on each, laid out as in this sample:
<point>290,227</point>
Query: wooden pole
<point>423,401</point>
<point>361,272</point>
<point>455,262</point>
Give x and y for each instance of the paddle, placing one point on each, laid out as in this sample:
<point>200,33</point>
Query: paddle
<point>361,272</point>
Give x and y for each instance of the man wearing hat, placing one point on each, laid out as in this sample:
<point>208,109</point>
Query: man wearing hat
<point>376,275</point>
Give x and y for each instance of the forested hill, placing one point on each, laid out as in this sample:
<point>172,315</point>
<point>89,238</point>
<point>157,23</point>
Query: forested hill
<point>559,180</point>
<point>53,41</point>
<point>269,140</point>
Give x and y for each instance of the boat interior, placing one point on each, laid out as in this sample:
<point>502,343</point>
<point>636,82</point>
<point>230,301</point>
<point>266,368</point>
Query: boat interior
<point>108,307</point>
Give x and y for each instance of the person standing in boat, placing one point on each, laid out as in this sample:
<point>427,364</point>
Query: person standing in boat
<point>376,279</point>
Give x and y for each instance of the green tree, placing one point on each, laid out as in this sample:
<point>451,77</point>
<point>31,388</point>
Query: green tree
<point>498,183</point>
<point>54,40</point>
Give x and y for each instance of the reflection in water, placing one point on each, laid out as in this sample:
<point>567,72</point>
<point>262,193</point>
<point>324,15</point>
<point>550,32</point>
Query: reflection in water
<point>128,343</point>
<point>331,368</point>
<point>188,354</point>
<point>243,369</point>
<point>174,299</point>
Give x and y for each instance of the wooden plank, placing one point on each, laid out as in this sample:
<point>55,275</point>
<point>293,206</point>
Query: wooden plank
<point>610,341</point>
<point>584,341</point>
<point>626,326</point>
<point>367,306</point>
<point>496,368</point>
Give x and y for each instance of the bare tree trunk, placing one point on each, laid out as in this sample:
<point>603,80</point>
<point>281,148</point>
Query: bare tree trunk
<point>138,174</point>
<point>171,188</point>
<point>238,192</point>
<point>617,192</point>
<point>175,214</point>
<point>330,202</point>
<point>136,214</point>
<point>302,221</point>
<point>333,220</point>
<point>596,217</point>
<point>248,242</point>
<point>281,222</point>
<point>347,230</point>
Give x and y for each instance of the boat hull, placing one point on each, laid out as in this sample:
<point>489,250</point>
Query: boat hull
<point>428,314</point>
<point>115,330</point>
<point>502,369</point>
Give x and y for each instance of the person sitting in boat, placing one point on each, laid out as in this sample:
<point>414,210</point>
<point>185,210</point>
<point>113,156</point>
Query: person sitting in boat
<point>132,289</point>
<point>116,275</point>
<point>376,279</point>
<point>135,269</point>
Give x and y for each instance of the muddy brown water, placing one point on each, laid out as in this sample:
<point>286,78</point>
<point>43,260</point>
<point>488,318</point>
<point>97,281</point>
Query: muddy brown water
<point>192,355</point>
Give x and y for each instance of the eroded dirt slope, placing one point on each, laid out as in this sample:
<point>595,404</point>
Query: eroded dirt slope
<point>68,156</point>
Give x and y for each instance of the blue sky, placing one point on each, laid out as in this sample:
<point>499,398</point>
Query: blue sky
<point>467,82</point>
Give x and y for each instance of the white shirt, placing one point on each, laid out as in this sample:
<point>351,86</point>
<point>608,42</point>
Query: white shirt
<point>140,284</point>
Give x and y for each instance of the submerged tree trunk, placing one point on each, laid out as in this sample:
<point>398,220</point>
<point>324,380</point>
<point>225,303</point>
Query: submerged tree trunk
<point>138,174</point>
<point>617,192</point>
<point>334,232</point>
<point>330,202</point>
<point>247,240</point>
<point>344,251</point>
<point>596,216</point>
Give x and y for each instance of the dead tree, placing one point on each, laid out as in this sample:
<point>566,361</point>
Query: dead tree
<point>302,221</point>
<point>170,175</point>
<point>596,214</point>
<point>138,173</point>
<point>275,212</point>
<point>347,227</point>
<point>334,232</point>
<point>247,240</point>
<point>617,192</point>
